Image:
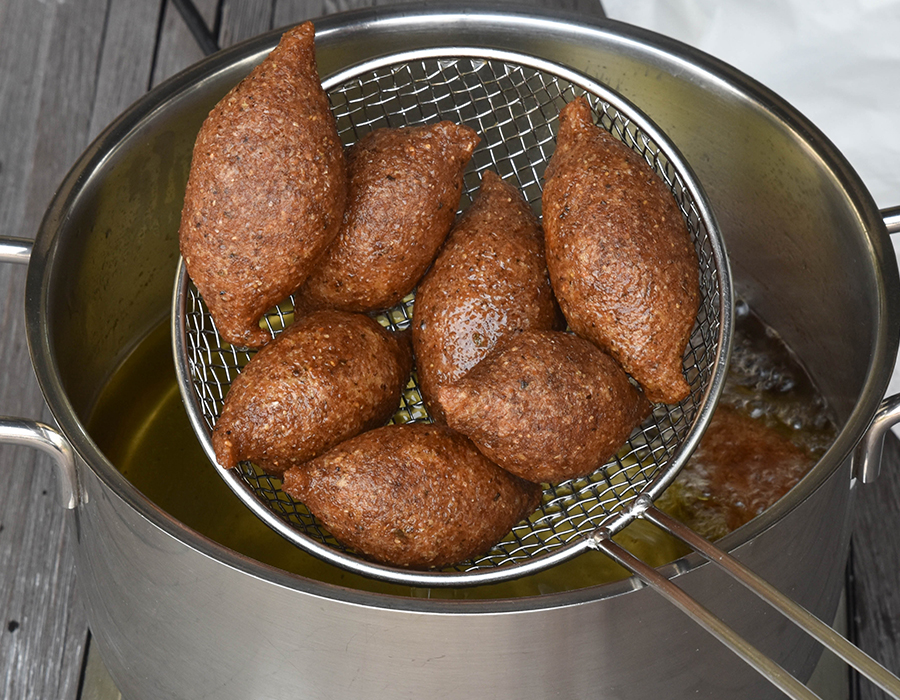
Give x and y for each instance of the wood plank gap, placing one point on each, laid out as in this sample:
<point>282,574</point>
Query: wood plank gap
<point>217,24</point>
<point>177,47</point>
<point>98,66</point>
<point>876,618</point>
<point>128,44</point>
<point>196,25</point>
<point>82,675</point>
<point>852,629</point>
<point>160,19</point>
<point>25,52</point>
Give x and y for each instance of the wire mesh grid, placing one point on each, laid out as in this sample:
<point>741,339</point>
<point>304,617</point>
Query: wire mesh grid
<point>514,107</point>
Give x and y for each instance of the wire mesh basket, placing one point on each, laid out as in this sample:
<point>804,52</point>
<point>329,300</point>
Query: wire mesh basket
<point>513,102</point>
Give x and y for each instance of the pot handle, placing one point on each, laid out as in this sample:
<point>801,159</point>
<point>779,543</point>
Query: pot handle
<point>891,219</point>
<point>867,457</point>
<point>20,431</point>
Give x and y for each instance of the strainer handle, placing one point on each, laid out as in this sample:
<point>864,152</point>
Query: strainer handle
<point>21,431</point>
<point>780,678</point>
<point>808,622</point>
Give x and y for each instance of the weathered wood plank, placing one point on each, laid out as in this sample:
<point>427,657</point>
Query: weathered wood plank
<point>293,11</point>
<point>68,90</point>
<point>243,19</point>
<point>44,630</point>
<point>176,48</point>
<point>288,12</point>
<point>126,61</point>
<point>50,57</point>
<point>22,64</point>
<point>876,568</point>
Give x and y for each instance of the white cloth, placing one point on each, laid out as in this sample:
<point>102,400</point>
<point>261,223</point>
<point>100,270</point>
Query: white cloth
<point>836,61</point>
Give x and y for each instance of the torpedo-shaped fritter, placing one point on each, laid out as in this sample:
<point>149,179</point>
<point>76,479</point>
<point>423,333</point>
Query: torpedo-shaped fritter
<point>621,260</point>
<point>405,187</point>
<point>414,495</point>
<point>266,191</point>
<point>328,377</point>
<point>489,279</point>
<point>546,406</point>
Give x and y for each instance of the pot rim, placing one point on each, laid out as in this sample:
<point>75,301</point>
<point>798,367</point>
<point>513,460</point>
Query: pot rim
<point>247,54</point>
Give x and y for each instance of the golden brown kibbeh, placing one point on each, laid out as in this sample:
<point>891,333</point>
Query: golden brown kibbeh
<point>546,406</point>
<point>326,378</point>
<point>266,191</point>
<point>489,279</point>
<point>413,495</point>
<point>405,186</point>
<point>620,256</point>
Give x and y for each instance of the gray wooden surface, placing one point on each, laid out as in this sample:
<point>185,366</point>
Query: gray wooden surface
<point>67,68</point>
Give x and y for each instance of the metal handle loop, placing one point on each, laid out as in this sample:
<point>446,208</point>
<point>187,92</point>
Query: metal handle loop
<point>867,455</point>
<point>20,431</point>
<point>15,250</point>
<point>891,219</point>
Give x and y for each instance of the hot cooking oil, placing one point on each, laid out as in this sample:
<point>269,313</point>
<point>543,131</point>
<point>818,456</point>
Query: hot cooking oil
<point>141,426</point>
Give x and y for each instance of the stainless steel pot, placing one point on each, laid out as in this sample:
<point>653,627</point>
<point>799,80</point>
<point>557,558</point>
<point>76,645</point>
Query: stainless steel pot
<point>176,615</point>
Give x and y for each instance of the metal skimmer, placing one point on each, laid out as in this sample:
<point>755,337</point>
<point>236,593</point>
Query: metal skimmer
<point>513,102</point>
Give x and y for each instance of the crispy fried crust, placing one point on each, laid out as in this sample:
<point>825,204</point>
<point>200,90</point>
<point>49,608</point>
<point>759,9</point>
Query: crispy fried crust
<point>546,406</point>
<point>414,495</point>
<point>405,186</point>
<point>326,378</point>
<point>490,279</point>
<point>620,257</point>
<point>266,191</point>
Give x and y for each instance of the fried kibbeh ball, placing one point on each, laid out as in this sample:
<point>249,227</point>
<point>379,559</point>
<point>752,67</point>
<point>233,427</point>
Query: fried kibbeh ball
<point>266,190</point>
<point>546,406</point>
<point>327,377</point>
<point>621,260</point>
<point>489,279</point>
<point>415,495</point>
<point>405,187</point>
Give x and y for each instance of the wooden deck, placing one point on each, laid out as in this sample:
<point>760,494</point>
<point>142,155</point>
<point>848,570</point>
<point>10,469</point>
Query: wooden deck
<point>67,68</point>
